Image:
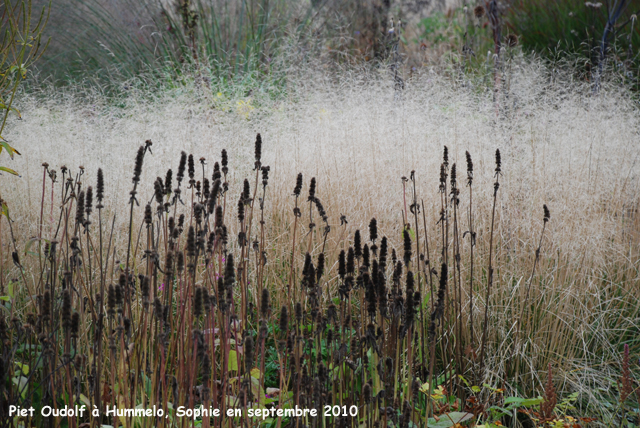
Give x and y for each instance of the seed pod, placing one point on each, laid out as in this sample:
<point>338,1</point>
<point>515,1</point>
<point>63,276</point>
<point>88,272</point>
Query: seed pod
<point>167,181</point>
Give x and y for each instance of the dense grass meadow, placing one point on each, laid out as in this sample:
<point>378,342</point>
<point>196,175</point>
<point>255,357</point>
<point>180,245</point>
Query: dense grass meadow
<point>416,239</point>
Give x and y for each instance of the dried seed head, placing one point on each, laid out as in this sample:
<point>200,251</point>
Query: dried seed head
<point>469,169</point>
<point>225,162</point>
<point>75,325</point>
<point>248,353</point>
<point>158,191</point>
<point>66,309</point>
<point>479,11</point>
<point>383,253</point>
<point>168,267</point>
<point>197,302</point>
<point>219,220</point>
<point>357,244</point>
<point>240,209</point>
<point>264,302</point>
<point>397,273</point>
<point>222,303</point>
<point>213,196</point>
<point>298,188</point>
<point>342,265</point>
<point>373,229</point>
<point>192,167</point>
<point>229,273</point>
<point>181,167</point>
<point>144,289</point>
<point>351,265</point>
<point>546,213</point>
<point>445,157</point>
<point>320,268</point>
<point>167,181</point>
<point>191,242</point>
<point>180,262</point>
<point>298,310</point>
<point>137,169</point>
<point>100,187</point>
<point>312,190</point>
<point>498,161</point>
<point>147,215</point>
<point>284,319</point>
<point>80,208</point>
<point>111,300</point>
<point>365,256</point>
<point>407,246</point>
<point>88,202</point>
<point>366,392</point>
<point>258,150</point>
<point>512,40</point>
<point>265,174</point>
<point>216,172</point>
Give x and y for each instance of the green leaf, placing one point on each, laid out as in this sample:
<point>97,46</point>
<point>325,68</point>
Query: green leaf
<point>510,400</point>
<point>233,361</point>
<point>8,148</point>
<point>5,298</point>
<point>450,419</point>
<point>24,367</point>
<point>9,170</point>
<point>476,388</point>
<point>532,401</point>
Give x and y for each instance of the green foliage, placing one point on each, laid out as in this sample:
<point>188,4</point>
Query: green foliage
<point>577,27</point>
<point>20,46</point>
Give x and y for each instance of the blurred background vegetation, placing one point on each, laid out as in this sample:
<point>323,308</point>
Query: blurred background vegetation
<point>258,40</point>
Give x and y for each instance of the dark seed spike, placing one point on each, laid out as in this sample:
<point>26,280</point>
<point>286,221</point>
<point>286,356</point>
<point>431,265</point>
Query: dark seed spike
<point>137,170</point>
<point>342,265</point>
<point>89,200</point>
<point>100,187</point>
<point>357,244</point>
<point>167,181</point>
<point>264,302</point>
<point>312,190</point>
<point>192,167</point>
<point>373,230</point>
<point>407,246</point>
<point>298,188</point>
<point>284,319</point>
<point>469,169</point>
<point>181,167</point>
